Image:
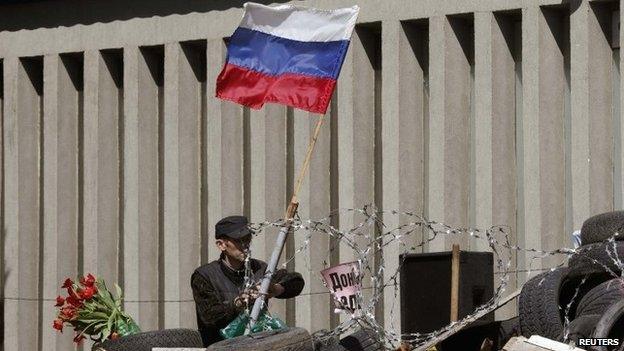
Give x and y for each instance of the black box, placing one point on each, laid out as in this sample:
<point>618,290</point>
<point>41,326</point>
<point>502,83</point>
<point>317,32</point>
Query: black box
<point>425,281</point>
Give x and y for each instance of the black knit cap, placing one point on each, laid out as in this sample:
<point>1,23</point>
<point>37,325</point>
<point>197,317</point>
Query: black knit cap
<point>234,227</point>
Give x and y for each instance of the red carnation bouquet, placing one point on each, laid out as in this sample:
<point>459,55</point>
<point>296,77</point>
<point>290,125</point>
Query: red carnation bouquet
<point>93,311</point>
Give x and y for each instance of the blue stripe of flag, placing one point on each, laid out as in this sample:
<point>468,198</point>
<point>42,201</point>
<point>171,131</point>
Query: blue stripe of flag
<point>274,55</point>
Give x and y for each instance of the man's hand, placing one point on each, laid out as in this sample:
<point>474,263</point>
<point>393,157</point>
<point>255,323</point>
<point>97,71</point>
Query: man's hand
<point>246,298</point>
<point>275,290</point>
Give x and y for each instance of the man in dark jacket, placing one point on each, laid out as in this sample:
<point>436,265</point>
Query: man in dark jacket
<point>219,286</point>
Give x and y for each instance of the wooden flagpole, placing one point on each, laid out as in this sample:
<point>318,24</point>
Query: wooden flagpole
<point>283,234</point>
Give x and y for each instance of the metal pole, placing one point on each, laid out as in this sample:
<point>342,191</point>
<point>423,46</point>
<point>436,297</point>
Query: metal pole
<point>272,265</point>
<point>283,234</point>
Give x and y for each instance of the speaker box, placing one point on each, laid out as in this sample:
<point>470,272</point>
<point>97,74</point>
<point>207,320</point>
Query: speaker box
<point>425,283</point>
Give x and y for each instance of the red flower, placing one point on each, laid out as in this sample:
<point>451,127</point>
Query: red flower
<point>68,283</point>
<point>73,294</point>
<point>78,338</point>
<point>68,313</point>
<point>59,301</point>
<point>74,301</point>
<point>88,292</point>
<point>88,280</point>
<point>58,325</point>
<point>114,336</point>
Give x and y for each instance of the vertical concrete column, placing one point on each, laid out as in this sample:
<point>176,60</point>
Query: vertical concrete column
<point>483,188</point>
<point>141,186</point>
<point>131,181</point>
<point>580,123</point>
<point>315,306</point>
<point>503,140</point>
<point>182,200</point>
<point>529,124</point>
<point>543,129</point>
<point>101,168</point>
<point>23,89</point>
<point>392,40</point>
<point>620,150</point>
<point>356,135</point>
<point>60,184</point>
<point>458,53</point>
<point>2,192</point>
<point>600,91</point>
<point>552,85</point>
<point>268,182</point>
<point>529,237</point>
<point>224,145</point>
<point>403,146</point>
<point>437,115</point>
<point>10,179</point>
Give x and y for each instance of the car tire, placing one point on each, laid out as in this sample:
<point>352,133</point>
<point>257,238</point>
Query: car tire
<point>361,340</point>
<point>594,258</point>
<point>600,298</point>
<point>611,326</point>
<point>580,328</point>
<point>539,304</point>
<point>145,341</point>
<point>289,338</point>
<point>601,227</point>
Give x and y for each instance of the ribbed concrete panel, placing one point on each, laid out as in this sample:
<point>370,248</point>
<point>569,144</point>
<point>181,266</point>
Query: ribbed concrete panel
<point>182,198</point>
<point>533,142</point>
<point>155,23</point>
<point>314,307</point>
<point>403,105</point>
<point>356,131</point>
<point>62,115</point>
<point>102,115</point>
<point>224,150</point>
<point>553,49</point>
<point>459,57</point>
<point>435,157</point>
<point>267,133</point>
<point>600,91</point>
<point>23,100</point>
<point>143,72</point>
<point>503,139</point>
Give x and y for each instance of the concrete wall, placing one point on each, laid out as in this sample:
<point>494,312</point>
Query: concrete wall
<point>118,160</point>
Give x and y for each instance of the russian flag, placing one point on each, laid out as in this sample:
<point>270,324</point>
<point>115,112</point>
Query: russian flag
<point>286,54</point>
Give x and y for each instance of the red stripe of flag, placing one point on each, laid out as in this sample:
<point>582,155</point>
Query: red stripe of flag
<point>253,89</point>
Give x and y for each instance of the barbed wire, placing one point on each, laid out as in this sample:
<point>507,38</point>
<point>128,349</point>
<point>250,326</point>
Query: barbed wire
<point>368,238</point>
<point>365,241</point>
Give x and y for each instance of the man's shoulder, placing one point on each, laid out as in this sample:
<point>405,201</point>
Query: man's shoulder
<point>209,264</point>
<point>204,269</point>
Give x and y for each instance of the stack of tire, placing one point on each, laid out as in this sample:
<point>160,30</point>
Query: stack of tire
<point>589,292</point>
